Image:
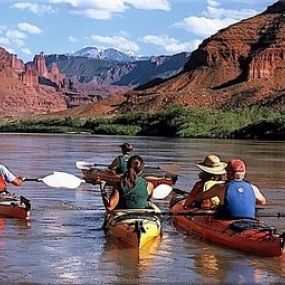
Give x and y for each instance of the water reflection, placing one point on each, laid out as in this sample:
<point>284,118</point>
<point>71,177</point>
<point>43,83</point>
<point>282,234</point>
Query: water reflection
<point>2,228</point>
<point>126,263</point>
<point>225,270</point>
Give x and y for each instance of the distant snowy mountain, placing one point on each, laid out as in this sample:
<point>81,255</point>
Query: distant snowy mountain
<point>97,69</point>
<point>107,54</point>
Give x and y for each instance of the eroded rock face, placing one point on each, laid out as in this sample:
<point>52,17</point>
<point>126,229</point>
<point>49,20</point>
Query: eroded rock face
<point>20,92</point>
<point>241,65</point>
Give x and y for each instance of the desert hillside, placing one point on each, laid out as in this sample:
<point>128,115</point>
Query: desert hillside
<point>242,65</point>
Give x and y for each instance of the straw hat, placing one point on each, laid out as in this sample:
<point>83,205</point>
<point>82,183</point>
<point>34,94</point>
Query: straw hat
<point>212,164</point>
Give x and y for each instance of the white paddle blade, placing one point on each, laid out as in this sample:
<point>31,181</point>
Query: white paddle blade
<point>84,165</point>
<point>62,180</point>
<point>161,191</point>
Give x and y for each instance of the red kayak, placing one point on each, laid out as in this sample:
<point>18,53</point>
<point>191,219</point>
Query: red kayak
<point>13,207</point>
<point>246,235</point>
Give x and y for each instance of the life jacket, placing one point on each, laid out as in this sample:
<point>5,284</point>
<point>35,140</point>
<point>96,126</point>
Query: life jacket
<point>136,198</point>
<point>239,201</point>
<point>123,162</point>
<point>2,184</point>
<point>215,201</point>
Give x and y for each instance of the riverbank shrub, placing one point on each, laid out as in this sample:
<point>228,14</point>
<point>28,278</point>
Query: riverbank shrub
<point>174,121</point>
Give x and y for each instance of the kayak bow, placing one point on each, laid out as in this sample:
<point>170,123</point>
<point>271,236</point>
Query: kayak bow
<point>13,207</point>
<point>134,227</point>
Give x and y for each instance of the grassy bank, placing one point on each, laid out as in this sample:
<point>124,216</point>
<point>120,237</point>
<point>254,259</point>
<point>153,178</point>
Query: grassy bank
<point>175,121</point>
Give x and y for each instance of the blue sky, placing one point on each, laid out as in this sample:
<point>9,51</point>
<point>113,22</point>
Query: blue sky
<point>136,27</point>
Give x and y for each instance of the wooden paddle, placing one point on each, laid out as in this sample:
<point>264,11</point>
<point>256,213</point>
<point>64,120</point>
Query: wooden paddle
<point>59,179</point>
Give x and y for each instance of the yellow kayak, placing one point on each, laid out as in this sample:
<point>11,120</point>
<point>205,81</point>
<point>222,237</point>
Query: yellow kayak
<point>134,227</point>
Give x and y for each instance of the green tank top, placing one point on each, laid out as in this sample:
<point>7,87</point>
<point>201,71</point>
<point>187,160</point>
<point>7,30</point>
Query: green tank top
<point>136,198</point>
<point>123,161</point>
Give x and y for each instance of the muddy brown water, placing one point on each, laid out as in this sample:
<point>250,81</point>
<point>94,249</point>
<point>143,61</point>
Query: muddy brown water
<point>64,243</point>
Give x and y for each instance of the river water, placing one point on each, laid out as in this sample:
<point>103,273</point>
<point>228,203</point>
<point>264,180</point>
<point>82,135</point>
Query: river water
<point>64,243</point>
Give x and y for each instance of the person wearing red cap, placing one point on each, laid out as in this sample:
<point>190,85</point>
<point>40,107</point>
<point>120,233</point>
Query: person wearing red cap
<point>239,197</point>
<point>212,172</point>
<point>119,164</point>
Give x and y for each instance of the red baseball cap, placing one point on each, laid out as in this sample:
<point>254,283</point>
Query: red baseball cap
<point>236,165</point>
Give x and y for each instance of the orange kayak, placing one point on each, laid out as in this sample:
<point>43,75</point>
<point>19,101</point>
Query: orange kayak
<point>13,207</point>
<point>246,235</point>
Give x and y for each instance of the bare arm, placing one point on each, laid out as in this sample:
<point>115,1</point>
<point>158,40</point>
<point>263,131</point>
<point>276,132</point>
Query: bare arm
<point>150,187</point>
<point>113,200</point>
<point>197,188</point>
<point>114,165</point>
<point>260,198</point>
<point>217,190</point>
<point>18,181</point>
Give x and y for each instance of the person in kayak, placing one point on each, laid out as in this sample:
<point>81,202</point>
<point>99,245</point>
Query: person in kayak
<point>119,164</point>
<point>133,191</point>
<point>213,172</point>
<point>6,176</point>
<point>238,196</point>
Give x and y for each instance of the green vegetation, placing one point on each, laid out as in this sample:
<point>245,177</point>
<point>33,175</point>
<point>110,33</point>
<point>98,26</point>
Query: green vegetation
<point>175,121</point>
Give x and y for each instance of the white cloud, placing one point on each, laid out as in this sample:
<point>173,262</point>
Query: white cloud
<point>15,34</point>
<point>4,41</point>
<point>26,51</point>
<point>103,9</point>
<point>72,39</point>
<point>213,19</point>
<point>18,42</point>
<point>169,44</point>
<point>213,12</point>
<point>110,5</point>
<point>213,3</point>
<point>150,4</point>
<point>34,8</point>
<point>16,37</point>
<point>204,27</point>
<point>93,14</point>
<point>29,28</point>
<point>2,28</point>
<point>118,42</point>
<point>117,5</point>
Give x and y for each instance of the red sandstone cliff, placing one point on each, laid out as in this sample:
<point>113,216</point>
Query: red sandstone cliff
<point>20,91</point>
<point>241,65</point>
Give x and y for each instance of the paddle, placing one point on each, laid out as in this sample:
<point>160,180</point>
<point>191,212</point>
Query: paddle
<point>85,165</point>
<point>161,191</point>
<point>59,179</point>
<point>211,213</point>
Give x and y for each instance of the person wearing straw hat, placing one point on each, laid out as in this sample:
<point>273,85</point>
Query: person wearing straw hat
<point>212,173</point>
<point>238,196</point>
<point>119,164</point>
